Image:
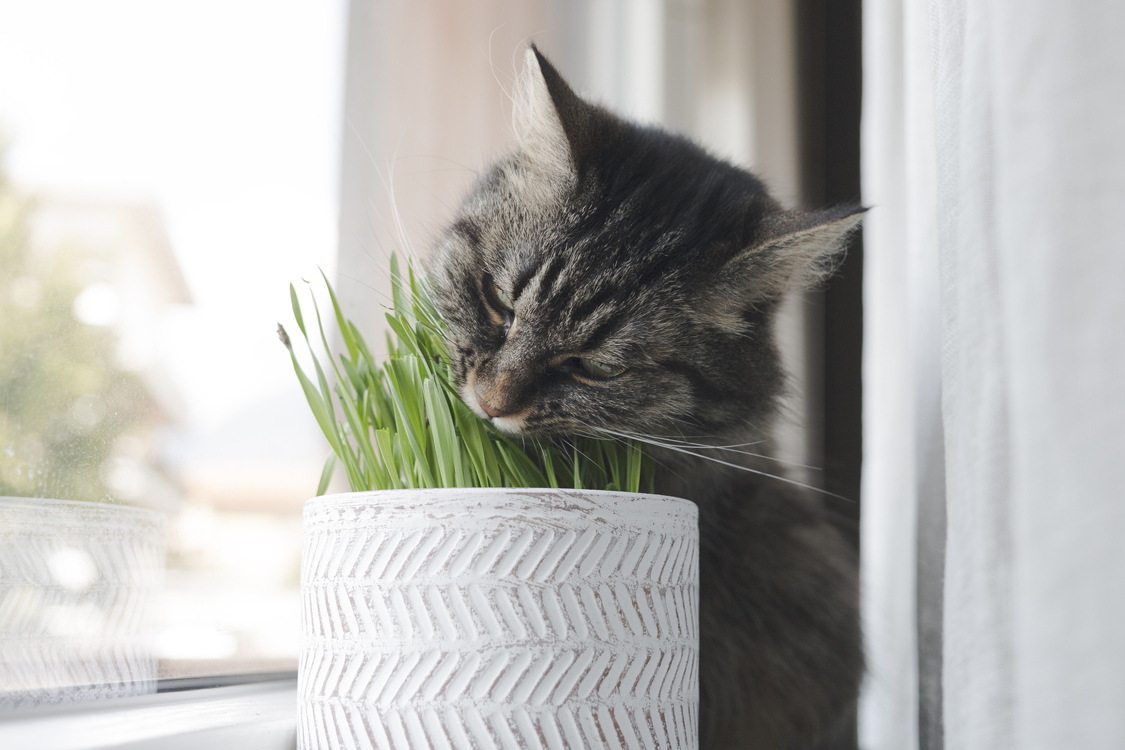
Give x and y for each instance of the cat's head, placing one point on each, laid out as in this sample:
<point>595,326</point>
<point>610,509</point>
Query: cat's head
<point>612,276</point>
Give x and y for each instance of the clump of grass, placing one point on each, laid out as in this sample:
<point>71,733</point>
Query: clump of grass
<point>401,424</point>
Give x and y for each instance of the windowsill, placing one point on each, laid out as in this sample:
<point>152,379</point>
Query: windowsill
<point>256,716</point>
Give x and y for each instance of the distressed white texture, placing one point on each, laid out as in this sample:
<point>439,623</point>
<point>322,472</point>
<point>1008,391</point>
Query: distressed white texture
<point>529,619</point>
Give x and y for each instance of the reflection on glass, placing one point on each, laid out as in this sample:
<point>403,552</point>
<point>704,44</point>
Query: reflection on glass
<point>79,592</point>
<point>154,217</point>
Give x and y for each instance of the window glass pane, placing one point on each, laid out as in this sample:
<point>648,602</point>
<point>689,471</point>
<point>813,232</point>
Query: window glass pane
<point>168,169</point>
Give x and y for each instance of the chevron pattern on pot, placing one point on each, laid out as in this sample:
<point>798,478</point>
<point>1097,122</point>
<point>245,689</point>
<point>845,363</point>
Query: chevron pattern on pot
<point>79,584</point>
<point>489,619</point>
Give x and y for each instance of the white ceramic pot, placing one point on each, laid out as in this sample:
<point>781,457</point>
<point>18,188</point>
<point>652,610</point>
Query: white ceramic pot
<point>79,584</point>
<point>483,618</point>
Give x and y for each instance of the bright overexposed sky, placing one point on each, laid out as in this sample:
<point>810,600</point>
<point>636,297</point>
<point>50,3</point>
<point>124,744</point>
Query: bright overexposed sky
<point>223,113</point>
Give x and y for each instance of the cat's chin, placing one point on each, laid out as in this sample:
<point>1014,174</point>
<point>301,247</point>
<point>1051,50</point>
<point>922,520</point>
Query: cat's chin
<point>509,425</point>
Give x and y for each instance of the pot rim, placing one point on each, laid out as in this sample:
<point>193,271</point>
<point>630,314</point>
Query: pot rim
<point>439,491</point>
<point>506,499</point>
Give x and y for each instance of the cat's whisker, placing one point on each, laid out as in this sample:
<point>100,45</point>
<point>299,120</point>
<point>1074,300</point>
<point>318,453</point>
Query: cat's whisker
<point>362,143</point>
<point>596,436</point>
<point>460,167</point>
<point>492,66</point>
<point>379,266</point>
<point>400,227</point>
<point>367,253</point>
<point>372,225</point>
<point>684,437</point>
<point>405,248</point>
<point>376,290</point>
<point>728,448</point>
<point>684,440</point>
<point>387,301</point>
<point>685,451</point>
<point>386,178</point>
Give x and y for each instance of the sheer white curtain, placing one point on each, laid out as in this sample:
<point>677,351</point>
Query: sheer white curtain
<point>994,159</point>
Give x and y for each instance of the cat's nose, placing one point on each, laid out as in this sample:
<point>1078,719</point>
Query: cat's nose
<point>489,409</point>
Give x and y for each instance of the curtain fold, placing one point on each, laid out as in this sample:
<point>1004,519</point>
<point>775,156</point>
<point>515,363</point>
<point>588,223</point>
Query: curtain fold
<point>995,165</point>
<point>888,713</point>
<point>975,382</point>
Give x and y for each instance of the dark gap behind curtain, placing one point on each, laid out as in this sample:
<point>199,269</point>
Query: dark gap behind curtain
<point>829,47</point>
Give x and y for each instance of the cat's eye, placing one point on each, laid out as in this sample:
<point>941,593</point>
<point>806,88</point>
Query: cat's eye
<point>599,370</point>
<point>498,300</point>
<point>502,298</point>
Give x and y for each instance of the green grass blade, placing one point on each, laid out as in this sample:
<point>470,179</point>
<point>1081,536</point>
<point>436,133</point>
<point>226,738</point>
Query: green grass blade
<point>519,470</point>
<point>406,463</point>
<point>359,431</point>
<point>577,468</point>
<point>350,461</point>
<point>386,446</point>
<point>320,410</point>
<point>326,473</point>
<point>441,425</point>
<point>345,331</point>
<point>382,408</point>
<point>472,437</point>
<point>635,460</point>
<point>546,452</point>
<point>358,386</point>
<point>325,391</point>
<point>610,449</point>
<point>398,290</point>
<point>324,340</point>
<point>360,343</point>
<point>406,337</point>
<point>408,399</point>
<point>297,310</point>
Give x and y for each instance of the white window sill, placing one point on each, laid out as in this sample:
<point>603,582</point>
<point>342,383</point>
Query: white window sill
<point>259,716</point>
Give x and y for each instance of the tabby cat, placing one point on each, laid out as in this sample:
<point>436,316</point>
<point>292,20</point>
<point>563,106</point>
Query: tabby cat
<point>611,278</point>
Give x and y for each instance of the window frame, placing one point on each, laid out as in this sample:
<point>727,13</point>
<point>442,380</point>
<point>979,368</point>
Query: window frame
<point>259,715</point>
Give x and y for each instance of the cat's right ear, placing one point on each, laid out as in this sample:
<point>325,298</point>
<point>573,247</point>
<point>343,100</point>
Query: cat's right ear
<point>552,123</point>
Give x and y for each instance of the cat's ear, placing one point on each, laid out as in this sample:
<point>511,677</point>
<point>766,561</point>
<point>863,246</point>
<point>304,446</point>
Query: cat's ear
<point>794,251</point>
<point>552,123</point>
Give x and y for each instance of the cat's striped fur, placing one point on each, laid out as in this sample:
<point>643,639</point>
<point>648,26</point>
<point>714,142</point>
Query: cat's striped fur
<point>632,247</point>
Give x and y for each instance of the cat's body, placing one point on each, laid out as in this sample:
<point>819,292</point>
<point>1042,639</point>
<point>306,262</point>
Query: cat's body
<point>617,279</point>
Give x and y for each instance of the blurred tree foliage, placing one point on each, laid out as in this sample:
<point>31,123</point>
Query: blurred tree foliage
<point>64,402</point>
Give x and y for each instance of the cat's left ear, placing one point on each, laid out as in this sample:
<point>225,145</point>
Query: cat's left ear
<point>795,251</point>
<point>553,124</point>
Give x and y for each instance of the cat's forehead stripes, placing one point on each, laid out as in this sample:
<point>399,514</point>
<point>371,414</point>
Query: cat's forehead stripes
<point>569,299</point>
<point>522,278</point>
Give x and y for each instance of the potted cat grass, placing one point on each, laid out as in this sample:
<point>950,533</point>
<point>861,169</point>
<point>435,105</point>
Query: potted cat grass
<point>477,590</point>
